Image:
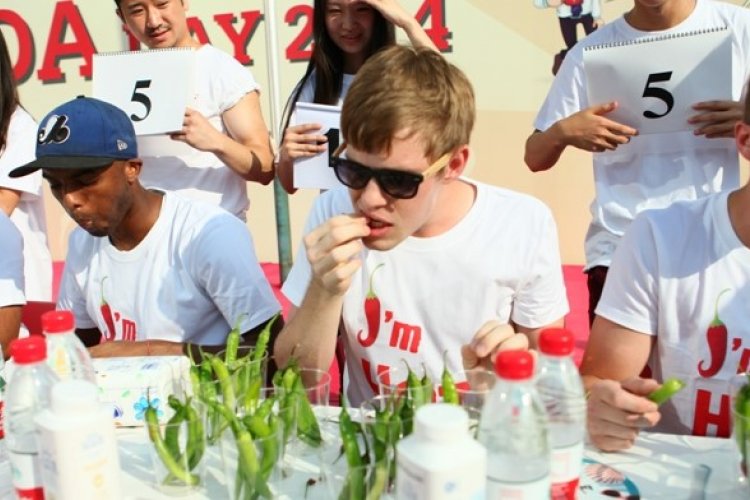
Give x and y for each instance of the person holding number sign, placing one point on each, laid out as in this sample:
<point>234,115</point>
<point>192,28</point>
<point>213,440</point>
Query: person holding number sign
<point>676,300</point>
<point>410,261</point>
<point>227,141</point>
<point>22,199</point>
<point>345,34</point>
<point>632,171</point>
<point>147,271</point>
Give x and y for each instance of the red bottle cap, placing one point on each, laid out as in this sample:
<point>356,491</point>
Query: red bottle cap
<point>29,350</point>
<point>58,322</point>
<point>556,342</point>
<point>514,365</point>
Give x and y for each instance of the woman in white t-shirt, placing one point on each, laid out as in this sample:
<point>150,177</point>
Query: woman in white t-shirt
<point>21,199</point>
<point>345,34</point>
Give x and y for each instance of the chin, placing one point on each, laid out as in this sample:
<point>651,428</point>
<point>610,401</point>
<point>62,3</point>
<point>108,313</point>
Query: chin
<point>380,244</point>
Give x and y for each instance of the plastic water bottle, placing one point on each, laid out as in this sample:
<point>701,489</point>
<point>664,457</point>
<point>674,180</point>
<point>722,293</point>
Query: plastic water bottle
<point>440,460</point>
<point>561,390</point>
<point>513,428</point>
<point>66,354</point>
<point>77,445</point>
<point>28,394</point>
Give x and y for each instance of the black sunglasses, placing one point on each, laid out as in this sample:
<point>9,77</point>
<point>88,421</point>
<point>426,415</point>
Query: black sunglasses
<point>395,183</point>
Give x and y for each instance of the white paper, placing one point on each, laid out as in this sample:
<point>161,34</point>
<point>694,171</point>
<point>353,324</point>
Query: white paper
<point>640,76</point>
<point>315,172</point>
<point>153,87</point>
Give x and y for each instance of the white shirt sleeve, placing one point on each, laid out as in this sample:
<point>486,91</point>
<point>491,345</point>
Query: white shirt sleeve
<point>630,295</point>
<point>541,298</point>
<point>568,93</point>
<point>20,149</point>
<point>11,264</point>
<point>222,260</point>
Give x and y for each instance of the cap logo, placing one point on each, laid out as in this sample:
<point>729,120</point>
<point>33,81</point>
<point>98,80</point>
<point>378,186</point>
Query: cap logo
<point>55,130</point>
<point>121,145</point>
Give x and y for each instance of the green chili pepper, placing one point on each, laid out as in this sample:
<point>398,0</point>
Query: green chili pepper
<point>173,467</point>
<point>426,384</point>
<point>233,342</point>
<point>172,432</point>
<point>263,338</point>
<point>378,482</point>
<point>196,444</point>
<point>669,388</point>
<point>354,487</point>
<point>225,382</point>
<point>414,391</point>
<point>450,393</point>
<point>308,428</point>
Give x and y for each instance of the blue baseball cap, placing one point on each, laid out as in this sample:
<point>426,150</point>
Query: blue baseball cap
<point>82,133</point>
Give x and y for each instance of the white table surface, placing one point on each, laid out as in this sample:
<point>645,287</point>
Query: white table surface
<point>660,465</point>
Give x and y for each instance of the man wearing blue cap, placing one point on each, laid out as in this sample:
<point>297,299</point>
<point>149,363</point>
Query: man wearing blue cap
<point>147,272</point>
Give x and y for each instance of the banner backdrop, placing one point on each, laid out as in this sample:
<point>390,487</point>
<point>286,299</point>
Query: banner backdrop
<point>505,46</point>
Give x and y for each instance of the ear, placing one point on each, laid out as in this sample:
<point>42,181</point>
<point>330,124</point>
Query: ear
<point>457,162</point>
<point>742,138</point>
<point>133,169</point>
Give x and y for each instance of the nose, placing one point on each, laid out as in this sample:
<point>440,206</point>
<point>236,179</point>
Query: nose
<point>371,196</point>
<point>70,199</point>
<point>154,19</point>
<point>347,18</point>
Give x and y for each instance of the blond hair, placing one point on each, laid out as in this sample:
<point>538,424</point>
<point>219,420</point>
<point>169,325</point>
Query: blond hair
<point>412,90</point>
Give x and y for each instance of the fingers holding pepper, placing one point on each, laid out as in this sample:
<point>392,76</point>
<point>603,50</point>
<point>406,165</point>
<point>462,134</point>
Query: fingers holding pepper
<point>332,250</point>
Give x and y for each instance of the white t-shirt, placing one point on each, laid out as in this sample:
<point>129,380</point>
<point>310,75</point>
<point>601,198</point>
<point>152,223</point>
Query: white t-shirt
<point>220,83</point>
<point>11,264</point>
<point>308,90</point>
<point>190,278</point>
<point>653,170</point>
<point>666,280</point>
<point>501,261</point>
<point>28,216</point>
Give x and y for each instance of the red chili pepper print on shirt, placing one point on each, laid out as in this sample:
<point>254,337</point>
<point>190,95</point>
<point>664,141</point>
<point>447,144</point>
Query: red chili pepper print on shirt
<point>717,338</point>
<point>107,315</point>
<point>372,314</point>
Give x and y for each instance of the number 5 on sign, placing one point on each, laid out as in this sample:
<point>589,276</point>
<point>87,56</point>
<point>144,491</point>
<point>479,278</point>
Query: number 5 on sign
<point>153,87</point>
<point>656,81</point>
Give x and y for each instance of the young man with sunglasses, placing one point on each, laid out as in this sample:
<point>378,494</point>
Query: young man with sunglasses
<point>413,262</point>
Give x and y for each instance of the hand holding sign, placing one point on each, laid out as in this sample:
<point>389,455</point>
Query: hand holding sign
<point>657,80</point>
<point>311,144</point>
<point>153,87</point>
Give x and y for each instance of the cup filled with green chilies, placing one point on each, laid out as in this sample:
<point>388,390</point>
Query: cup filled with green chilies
<point>314,440</point>
<point>384,420</point>
<point>468,389</point>
<point>404,379</point>
<point>178,445</point>
<point>741,423</point>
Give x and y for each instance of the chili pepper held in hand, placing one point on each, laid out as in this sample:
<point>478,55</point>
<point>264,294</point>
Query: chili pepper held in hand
<point>372,315</point>
<point>717,338</point>
<point>107,315</point>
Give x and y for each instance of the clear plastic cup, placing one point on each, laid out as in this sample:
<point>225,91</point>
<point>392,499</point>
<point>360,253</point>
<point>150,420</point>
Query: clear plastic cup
<point>472,388</point>
<point>355,483</point>
<point>177,449</point>
<point>394,381</point>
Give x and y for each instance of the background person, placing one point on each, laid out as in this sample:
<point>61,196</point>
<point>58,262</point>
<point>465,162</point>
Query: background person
<point>633,173</point>
<point>22,199</point>
<point>345,34</point>
<point>226,141</point>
